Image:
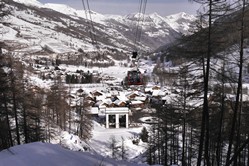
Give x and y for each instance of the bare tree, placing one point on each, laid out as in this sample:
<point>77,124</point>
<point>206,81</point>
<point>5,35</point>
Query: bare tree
<point>113,147</point>
<point>123,151</point>
<point>85,124</point>
<point>239,86</point>
<point>57,103</point>
<point>6,139</point>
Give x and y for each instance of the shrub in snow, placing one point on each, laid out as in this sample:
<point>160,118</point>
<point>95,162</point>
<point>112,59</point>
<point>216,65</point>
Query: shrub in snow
<point>144,135</point>
<point>136,141</point>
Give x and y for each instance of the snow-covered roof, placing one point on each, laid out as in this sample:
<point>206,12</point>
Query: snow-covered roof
<point>148,89</point>
<point>100,98</point>
<point>156,93</point>
<point>94,110</point>
<point>114,93</point>
<point>108,95</point>
<point>133,102</point>
<point>90,96</point>
<point>97,92</point>
<point>118,102</point>
<point>122,98</point>
<point>140,98</point>
<point>132,93</point>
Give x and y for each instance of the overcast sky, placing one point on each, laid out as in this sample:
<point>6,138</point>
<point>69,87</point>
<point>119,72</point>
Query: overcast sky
<point>123,7</point>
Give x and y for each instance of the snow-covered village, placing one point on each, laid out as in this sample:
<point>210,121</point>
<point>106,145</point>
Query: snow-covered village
<point>124,83</point>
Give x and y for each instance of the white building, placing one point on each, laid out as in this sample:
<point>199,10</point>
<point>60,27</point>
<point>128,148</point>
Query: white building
<point>115,116</point>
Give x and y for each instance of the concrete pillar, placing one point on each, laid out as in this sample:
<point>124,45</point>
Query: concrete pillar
<point>117,120</point>
<point>127,121</point>
<point>107,121</point>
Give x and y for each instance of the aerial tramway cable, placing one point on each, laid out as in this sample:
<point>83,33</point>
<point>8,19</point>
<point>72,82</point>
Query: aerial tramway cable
<point>138,32</point>
<point>87,10</point>
<point>140,20</point>
<point>135,77</point>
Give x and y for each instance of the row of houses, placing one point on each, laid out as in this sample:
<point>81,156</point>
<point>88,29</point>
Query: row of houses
<point>118,105</point>
<point>134,100</point>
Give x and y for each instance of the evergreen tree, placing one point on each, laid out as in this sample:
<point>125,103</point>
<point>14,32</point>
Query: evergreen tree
<point>144,135</point>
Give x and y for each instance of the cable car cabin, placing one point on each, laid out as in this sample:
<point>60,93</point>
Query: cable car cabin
<point>134,77</point>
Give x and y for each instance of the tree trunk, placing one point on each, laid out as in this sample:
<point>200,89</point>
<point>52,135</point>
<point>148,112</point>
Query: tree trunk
<point>15,111</point>
<point>234,120</point>
<point>8,121</point>
<point>218,145</point>
<point>205,113</point>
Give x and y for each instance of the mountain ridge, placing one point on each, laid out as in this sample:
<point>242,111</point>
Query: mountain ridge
<point>62,29</point>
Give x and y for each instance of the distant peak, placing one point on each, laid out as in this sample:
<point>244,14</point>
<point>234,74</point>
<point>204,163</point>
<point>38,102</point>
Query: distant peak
<point>181,15</point>
<point>184,15</point>
<point>155,13</point>
<point>134,15</point>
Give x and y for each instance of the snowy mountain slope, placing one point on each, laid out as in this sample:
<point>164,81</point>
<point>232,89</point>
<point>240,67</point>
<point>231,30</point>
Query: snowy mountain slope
<point>53,25</point>
<point>180,22</point>
<point>96,17</point>
<point>53,155</point>
<point>30,2</point>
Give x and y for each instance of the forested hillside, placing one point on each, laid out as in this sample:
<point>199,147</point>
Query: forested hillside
<point>210,109</point>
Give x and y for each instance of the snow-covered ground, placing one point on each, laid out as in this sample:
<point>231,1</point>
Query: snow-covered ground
<point>68,149</point>
<point>102,138</point>
<point>44,154</point>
